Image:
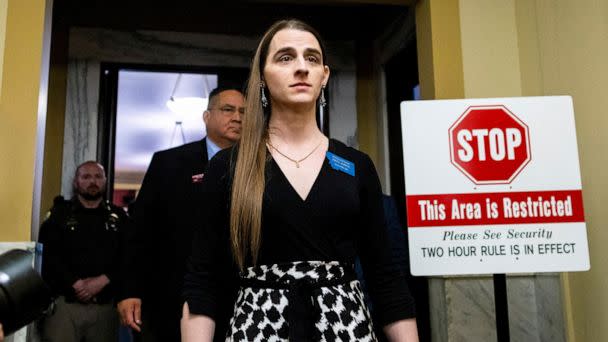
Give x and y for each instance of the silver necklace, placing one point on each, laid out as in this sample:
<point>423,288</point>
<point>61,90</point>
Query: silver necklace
<point>297,162</point>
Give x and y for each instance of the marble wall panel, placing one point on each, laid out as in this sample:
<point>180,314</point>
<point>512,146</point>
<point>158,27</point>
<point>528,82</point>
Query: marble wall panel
<point>535,310</point>
<point>470,309</point>
<point>80,132</point>
<point>343,107</point>
<point>462,308</point>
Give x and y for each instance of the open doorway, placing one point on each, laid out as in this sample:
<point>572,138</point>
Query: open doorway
<point>145,109</point>
<point>147,121</point>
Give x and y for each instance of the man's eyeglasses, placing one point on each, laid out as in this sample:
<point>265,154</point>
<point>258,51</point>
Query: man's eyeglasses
<point>230,110</point>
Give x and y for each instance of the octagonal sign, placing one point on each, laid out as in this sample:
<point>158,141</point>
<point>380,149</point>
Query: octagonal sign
<point>489,144</point>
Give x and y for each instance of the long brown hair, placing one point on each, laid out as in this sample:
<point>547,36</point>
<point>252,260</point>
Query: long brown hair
<point>249,181</point>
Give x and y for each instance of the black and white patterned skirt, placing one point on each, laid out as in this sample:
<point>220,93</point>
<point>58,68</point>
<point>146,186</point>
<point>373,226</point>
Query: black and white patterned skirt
<point>300,301</point>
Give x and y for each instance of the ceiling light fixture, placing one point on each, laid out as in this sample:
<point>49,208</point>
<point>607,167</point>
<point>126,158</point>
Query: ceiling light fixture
<point>185,106</point>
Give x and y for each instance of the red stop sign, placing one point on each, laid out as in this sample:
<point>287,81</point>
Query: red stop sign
<point>489,144</point>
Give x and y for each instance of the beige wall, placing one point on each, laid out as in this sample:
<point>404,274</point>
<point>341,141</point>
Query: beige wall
<point>572,40</point>
<point>55,118</point>
<point>3,10</point>
<point>490,57</point>
<point>439,49</point>
<point>563,50</point>
<point>18,115</point>
<point>53,143</point>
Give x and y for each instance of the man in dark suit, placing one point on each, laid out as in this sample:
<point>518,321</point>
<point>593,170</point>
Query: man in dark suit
<point>165,215</point>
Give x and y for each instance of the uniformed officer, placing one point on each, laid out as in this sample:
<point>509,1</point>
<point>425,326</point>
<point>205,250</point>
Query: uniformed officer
<point>81,241</point>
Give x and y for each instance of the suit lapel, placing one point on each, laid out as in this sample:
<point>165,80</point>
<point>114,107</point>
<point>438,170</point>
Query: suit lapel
<point>195,157</point>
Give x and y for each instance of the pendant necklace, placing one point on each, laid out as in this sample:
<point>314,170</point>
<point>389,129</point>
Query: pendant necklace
<point>297,162</point>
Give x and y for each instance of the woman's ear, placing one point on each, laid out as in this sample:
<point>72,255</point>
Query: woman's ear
<point>325,75</point>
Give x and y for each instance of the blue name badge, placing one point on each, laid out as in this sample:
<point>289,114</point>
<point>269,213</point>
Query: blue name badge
<point>341,164</point>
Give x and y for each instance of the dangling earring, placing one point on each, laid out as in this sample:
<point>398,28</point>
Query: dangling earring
<point>263,96</point>
<point>322,100</point>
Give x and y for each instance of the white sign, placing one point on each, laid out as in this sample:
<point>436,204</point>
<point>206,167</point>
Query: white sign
<point>493,186</point>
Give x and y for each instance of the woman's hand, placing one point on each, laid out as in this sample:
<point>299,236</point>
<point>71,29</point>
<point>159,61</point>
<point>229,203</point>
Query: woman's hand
<point>196,328</point>
<point>403,331</point>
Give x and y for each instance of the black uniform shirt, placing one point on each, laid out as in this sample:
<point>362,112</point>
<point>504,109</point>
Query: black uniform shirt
<point>342,217</point>
<point>78,243</point>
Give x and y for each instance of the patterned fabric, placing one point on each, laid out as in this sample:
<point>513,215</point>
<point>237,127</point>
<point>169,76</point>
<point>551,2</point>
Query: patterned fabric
<point>300,301</point>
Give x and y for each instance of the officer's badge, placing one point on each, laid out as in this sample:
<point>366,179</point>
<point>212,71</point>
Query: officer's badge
<point>71,223</point>
<point>112,223</point>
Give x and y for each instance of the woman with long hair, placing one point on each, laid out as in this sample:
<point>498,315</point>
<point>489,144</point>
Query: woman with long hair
<point>287,211</point>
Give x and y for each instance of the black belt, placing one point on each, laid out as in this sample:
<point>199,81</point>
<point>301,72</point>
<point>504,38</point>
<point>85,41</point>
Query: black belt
<point>302,310</point>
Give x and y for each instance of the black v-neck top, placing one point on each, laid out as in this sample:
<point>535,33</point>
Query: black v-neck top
<point>341,218</point>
